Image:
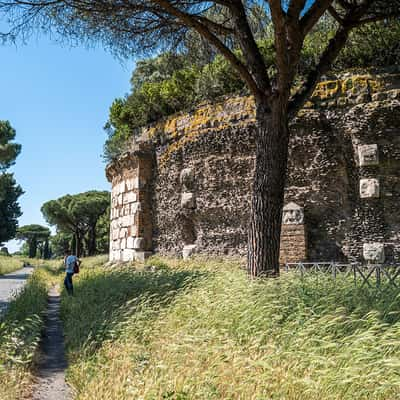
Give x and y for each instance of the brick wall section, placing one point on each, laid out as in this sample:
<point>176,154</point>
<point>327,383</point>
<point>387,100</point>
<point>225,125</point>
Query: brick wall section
<point>293,244</point>
<point>215,143</point>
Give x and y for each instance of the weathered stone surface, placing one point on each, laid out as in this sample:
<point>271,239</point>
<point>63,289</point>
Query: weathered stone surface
<point>142,255</point>
<point>139,243</point>
<point>188,200</point>
<point>369,188</point>
<point>374,252</point>
<point>128,220</point>
<point>128,255</point>
<point>187,179</point>
<point>293,214</point>
<point>129,197</point>
<point>325,171</point>
<point>293,243</point>
<point>188,251</point>
<point>368,154</point>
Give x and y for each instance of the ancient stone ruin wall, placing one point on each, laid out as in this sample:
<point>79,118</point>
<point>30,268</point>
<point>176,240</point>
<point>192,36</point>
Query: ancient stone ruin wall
<point>342,193</point>
<point>131,206</point>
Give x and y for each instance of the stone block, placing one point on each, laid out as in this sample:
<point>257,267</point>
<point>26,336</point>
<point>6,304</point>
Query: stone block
<point>133,183</point>
<point>133,231</point>
<point>115,245</point>
<point>130,242</point>
<point>188,251</point>
<point>116,255</point>
<point>368,154</point>
<point>187,178</point>
<point>129,197</point>
<point>115,234</point>
<point>142,255</point>
<point>120,199</point>
<point>128,255</point>
<point>374,252</point>
<point>123,232</point>
<point>188,200</point>
<point>121,187</point>
<point>123,243</point>
<point>138,243</point>
<point>136,207</point>
<point>128,220</point>
<point>369,188</point>
<point>293,214</point>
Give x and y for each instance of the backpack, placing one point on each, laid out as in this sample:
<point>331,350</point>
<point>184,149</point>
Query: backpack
<point>76,267</point>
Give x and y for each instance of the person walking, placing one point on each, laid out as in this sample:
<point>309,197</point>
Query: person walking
<point>71,263</point>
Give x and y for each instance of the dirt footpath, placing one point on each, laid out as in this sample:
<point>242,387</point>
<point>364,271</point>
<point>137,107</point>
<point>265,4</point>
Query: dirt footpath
<point>52,363</point>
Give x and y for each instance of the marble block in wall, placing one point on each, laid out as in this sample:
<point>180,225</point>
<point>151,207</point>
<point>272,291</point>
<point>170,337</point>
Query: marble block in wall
<point>369,188</point>
<point>293,214</point>
<point>374,252</point>
<point>368,154</point>
<point>188,200</point>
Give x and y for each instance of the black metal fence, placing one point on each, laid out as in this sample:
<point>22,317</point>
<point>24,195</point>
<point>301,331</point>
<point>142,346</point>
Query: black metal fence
<point>368,274</point>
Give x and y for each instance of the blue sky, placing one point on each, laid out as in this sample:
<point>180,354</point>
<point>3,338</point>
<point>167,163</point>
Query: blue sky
<point>57,98</point>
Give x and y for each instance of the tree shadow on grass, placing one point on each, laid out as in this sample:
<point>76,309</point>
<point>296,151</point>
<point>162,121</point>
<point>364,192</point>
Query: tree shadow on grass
<point>104,299</point>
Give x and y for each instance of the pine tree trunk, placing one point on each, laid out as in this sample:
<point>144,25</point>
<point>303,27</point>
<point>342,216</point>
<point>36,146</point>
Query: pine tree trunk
<point>32,247</point>
<point>272,138</point>
<point>92,240</point>
<point>78,244</point>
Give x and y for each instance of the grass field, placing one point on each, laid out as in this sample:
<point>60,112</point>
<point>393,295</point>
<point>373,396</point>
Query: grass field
<point>202,330</point>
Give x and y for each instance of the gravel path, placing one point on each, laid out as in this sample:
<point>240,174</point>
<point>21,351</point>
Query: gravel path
<point>52,363</point>
<point>11,284</point>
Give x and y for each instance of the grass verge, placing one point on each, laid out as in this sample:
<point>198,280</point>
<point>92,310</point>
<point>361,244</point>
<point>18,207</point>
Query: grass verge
<point>202,330</point>
<point>20,330</point>
<point>9,264</point>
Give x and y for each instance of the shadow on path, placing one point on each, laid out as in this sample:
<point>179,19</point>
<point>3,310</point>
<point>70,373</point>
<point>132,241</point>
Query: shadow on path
<point>52,363</point>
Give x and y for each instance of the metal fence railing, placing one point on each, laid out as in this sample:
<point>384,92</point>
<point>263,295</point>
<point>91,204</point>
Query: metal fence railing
<point>367,274</point>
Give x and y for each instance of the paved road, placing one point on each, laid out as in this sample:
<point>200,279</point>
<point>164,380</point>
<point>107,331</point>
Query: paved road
<point>10,284</point>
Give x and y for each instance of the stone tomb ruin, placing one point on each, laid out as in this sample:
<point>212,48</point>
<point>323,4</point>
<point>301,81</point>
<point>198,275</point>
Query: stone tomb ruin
<point>186,186</point>
<point>131,228</point>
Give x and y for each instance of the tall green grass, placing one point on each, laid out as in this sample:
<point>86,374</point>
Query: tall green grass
<point>20,330</point>
<point>9,264</point>
<point>202,330</point>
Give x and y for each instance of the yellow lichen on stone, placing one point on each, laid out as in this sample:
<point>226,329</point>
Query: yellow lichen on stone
<point>240,111</point>
<point>351,86</point>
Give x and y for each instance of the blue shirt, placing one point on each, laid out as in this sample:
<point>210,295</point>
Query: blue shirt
<point>70,263</point>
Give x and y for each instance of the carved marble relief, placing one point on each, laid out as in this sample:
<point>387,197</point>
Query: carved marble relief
<point>374,252</point>
<point>369,188</point>
<point>293,214</point>
<point>368,154</point>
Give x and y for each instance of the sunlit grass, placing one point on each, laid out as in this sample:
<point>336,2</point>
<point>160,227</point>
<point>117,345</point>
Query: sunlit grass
<point>20,330</point>
<point>9,264</point>
<point>202,330</point>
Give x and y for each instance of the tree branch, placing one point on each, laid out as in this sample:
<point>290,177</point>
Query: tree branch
<point>251,51</point>
<point>191,21</point>
<point>312,16</point>
<point>335,15</point>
